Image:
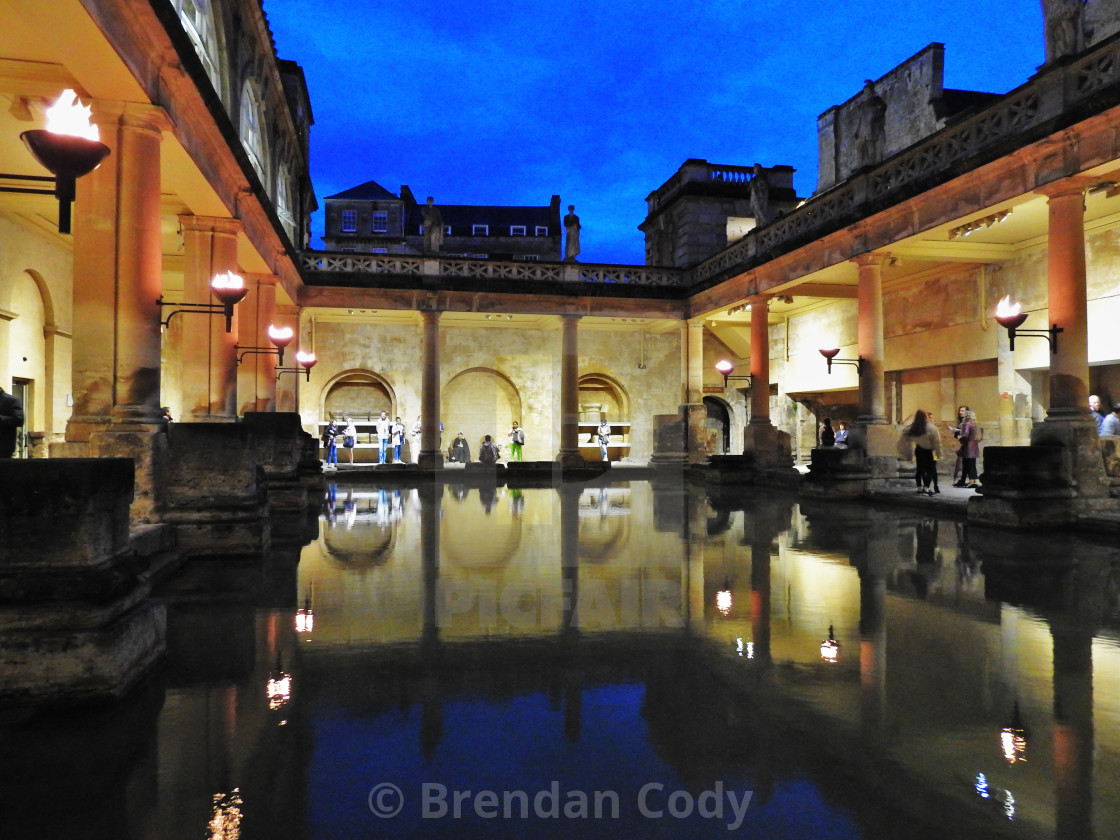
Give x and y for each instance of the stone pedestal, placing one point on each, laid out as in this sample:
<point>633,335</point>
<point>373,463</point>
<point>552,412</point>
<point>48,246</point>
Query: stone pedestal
<point>772,448</point>
<point>1050,483</point>
<point>670,442</point>
<point>74,623</point>
<point>280,444</point>
<point>701,437</point>
<point>216,489</point>
<point>837,473</point>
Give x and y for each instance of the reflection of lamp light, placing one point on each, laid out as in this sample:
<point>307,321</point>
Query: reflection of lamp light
<point>830,648</point>
<point>1010,317</point>
<point>280,337</point>
<point>227,287</point>
<point>279,687</point>
<point>830,360</point>
<point>723,599</point>
<point>1013,738</point>
<point>305,618</point>
<point>69,147</point>
<point>225,816</point>
<point>726,368</point>
<point>306,362</point>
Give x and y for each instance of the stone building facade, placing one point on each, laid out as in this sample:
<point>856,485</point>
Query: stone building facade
<point>370,219</point>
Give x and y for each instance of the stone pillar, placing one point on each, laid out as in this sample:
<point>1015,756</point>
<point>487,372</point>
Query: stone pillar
<point>256,374</point>
<point>701,443</point>
<point>209,379</point>
<point>872,434</point>
<point>1067,419</point>
<point>117,276</point>
<point>771,448</point>
<point>872,384</point>
<point>287,386</point>
<point>760,360</point>
<point>431,454</point>
<point>569,392</point>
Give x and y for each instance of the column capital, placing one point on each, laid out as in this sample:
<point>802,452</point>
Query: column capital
<point>876,259</point>
<point>210,224</point>
<point>112,113</point>
<point>760,300</point>
<point>1074,185</point>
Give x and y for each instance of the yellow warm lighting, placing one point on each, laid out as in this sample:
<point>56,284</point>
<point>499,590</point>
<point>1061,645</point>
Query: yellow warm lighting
<point>279,689</point>
<point>305,620</point>
<point>1014,744</point>
<point>225,817</point>
<point>69,116</point>
<point>280,336</point>
<point>227,280</point>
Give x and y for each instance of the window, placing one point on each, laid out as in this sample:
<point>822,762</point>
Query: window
<point>380,221</point>
<point>284,201</point>
<point>198,21</point>
<point>348,249</point>
<point>251,137</point>
<point>529,258</point>
<point>480,230</point>
<point>379,250</point>
<point>447,230</point>
<point>349,221</point>
<point>541,230</point>
<point>517,230</point>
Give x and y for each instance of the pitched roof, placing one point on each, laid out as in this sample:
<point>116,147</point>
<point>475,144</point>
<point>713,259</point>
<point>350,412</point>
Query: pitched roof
<point>369,191</point>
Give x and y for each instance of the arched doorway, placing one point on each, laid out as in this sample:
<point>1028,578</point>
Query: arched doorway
<point>601,397</point>
<point>719,425</point>
<point>480,402</point>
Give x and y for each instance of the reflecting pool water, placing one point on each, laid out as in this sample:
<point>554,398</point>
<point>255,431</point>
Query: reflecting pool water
<point>614,660</point>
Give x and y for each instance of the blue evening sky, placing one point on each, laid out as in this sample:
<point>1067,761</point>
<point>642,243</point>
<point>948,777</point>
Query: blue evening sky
<point>489,102</point>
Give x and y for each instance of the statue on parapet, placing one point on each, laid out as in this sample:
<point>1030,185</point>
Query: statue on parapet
<point>433,228</point>
<point>760,196</point>
<point>872,129</point>
<point>1062,22</point>
<point>571,231</point>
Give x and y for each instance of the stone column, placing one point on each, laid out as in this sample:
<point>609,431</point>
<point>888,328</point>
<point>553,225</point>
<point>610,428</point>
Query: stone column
<point>117,277</point>
<point>256,374</point>
<point>760,360</point>
<point>872,433</point>
<point>568,455</point>
<point>701,443</point>
<point>771,447</point>
<point>431,454</point>
<point>872,385</point>
<point>288,386</point>
<point>1067,418</point>
<point>209,378</point>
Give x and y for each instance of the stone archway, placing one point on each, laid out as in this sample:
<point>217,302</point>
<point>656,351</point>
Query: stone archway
<point>479,402</point>
<point>359,394</point>
<point>719,425</point>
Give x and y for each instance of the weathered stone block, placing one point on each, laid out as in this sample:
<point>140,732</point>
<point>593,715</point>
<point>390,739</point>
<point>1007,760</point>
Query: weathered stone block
<point>64,512</point>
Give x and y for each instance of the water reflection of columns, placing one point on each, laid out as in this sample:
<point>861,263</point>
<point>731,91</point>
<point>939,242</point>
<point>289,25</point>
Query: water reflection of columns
<point>569,557</point>
<point>431,690</point>
<point>760,538</point>
<point>1073,729</point>
<point>873,544</point>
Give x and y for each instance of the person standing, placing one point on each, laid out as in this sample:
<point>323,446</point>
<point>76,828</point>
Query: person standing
<point>384,427</point>
<point>11,419</point>
<point>1111,425</point>
<point>604,434</point>
<point>516,441</point>
<point>962,414</point>
<point>927,447</point>
<point>330,443</point>
<point>350,438</point>
<point>828,435</point>
<point>1097,414</point>
<point>969,451</point>
<point>398,439</point>
<point>842,434</point>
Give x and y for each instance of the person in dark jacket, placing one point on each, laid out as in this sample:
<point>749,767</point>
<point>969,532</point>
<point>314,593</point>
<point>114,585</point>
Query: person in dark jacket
<point>11,419</point>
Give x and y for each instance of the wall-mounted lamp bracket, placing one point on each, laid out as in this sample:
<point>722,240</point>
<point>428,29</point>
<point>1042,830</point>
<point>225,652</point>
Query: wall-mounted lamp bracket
<point>1012,323</point>
<point>830,360</point>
